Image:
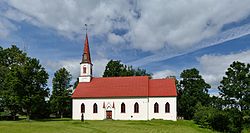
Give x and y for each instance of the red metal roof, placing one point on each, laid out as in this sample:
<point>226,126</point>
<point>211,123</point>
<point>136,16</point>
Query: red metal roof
<point>162,87</point>
<point>136,86</point>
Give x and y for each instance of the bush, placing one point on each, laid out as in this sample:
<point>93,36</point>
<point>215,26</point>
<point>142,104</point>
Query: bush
<point>228,120</point>
<point>7,116</point>
<point>236,120</point>
<point>219,121</point>
<point>202,115</point>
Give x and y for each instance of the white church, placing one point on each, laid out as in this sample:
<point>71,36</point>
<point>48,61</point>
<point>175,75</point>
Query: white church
<point>122,98</point>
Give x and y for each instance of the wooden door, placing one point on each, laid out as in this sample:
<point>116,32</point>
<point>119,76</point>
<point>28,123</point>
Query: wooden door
<point>109,114</point>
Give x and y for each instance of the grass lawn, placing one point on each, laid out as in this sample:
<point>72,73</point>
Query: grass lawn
<point>105,126</point>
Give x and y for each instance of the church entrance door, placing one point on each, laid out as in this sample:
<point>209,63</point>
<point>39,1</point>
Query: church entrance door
<point>108,114</point>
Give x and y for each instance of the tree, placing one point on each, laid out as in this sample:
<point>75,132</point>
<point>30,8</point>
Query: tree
<point>60,99</point>
<point>10,60</point>
<point>234,90</point>
<point>192,89</point>
<point>33,81</point>
<point>116,69</point>
<point>76,83</point>
<point>24,82</point>
<point>113,69</point>
<point>235,86</point>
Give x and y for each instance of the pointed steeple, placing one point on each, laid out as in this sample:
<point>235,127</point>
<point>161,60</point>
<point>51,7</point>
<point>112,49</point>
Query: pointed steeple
<point>86,65</point>
<point>86,54</point>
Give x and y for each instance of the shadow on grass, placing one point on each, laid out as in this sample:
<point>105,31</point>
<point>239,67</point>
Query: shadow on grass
<point>43,119</point>
<point>52,119</point>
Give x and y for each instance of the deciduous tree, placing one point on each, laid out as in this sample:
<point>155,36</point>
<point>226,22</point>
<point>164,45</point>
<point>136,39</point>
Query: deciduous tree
<point>116,69</point>
<point>60,99</point>
<point>193,89</point>
<point>23,83</point>
<point>235,86</point>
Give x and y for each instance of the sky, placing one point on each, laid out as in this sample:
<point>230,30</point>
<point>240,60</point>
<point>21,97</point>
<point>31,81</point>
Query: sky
<point>164,37</point>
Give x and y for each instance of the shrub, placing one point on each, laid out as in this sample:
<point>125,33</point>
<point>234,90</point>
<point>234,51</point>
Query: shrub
<point>228,120</point>
<point>236,120</point>
<point>203,115</point>
<point>219,121</point>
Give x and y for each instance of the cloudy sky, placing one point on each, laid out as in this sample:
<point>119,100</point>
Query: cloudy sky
<point>165,37</point>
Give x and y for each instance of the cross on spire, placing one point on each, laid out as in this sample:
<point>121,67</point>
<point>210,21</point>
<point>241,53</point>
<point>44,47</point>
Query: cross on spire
<point>86,28</point>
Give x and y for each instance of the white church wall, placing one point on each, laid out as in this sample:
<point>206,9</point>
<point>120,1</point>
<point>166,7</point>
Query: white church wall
<point>88,115</point>
<point>172,115</point>
<point>129,112</point>
<point>116,111</point>
<point>129,108</point>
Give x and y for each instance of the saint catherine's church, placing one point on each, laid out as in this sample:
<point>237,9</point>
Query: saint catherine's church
<point>122,98</point>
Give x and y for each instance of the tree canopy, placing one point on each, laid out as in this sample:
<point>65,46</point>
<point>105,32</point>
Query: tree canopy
<point>192,89</point>
<point>23,84</point>
<point>235,86</point>
<point>230,111</point>
<point>115,68</point>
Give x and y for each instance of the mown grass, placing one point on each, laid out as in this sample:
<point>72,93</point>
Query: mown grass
<point>105,126</point>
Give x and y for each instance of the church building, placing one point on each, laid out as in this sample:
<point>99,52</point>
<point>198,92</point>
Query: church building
<point>122,98</point>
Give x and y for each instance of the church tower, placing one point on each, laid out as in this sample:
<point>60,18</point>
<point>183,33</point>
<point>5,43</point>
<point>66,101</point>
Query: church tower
<point>86,65</point>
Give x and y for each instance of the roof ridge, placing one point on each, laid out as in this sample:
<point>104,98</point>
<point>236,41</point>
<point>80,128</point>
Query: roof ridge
<point>122,77</point>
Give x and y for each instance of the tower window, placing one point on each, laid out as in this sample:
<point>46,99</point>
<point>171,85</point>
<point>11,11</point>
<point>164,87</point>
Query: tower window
<point>122,108</point>
<point>84,70</point>
<point>156,108</point>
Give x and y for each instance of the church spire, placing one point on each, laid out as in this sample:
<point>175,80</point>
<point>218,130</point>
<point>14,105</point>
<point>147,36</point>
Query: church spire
<point>86,65</point>
<point>86,54</point>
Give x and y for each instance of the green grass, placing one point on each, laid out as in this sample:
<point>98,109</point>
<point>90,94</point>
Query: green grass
<point>105,126</point>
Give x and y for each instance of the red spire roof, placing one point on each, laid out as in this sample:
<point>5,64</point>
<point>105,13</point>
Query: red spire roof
<point>86,54</point>
<point>135,86</point>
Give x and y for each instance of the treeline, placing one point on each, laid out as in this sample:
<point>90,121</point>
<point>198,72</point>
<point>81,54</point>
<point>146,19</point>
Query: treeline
<point>23,87</point>
<point>227,112</point>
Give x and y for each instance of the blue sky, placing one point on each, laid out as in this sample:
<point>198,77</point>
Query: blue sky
<point>164,37</point>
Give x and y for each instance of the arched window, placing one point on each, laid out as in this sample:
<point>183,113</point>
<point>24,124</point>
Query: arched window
<point>136,108</point>
<point>156,108</point>
<point>82,108</point>
<point>84,70</point>
<point>95,108</point>
<point>122,108</point>
<point>167,108</point>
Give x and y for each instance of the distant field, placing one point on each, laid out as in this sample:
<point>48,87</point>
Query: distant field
<point>106,126</point>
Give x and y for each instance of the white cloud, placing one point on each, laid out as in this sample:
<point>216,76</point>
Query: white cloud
<point>151,25</point>
<point>213,67</point>
<point>6,27</point>
<point>182,23</point>
<point>115,39</point>
<point>163,74</point>
<point>222,37</point>
<point>99,67</point>
<point>73,66</point>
